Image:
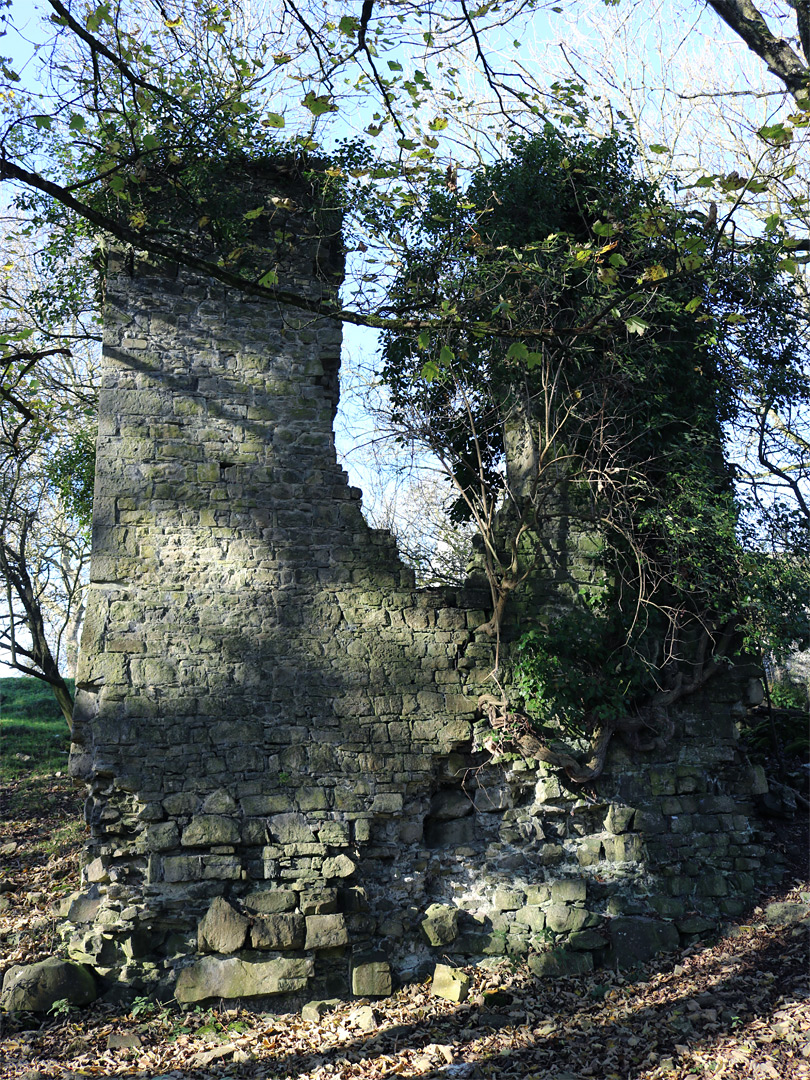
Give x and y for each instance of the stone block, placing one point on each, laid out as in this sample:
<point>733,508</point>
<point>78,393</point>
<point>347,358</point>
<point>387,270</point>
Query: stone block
<point>440,924</point>
<point>569,891</point>
<point>83,907</point>
<point>334,833</point>
<point>341,866</point>
<point>36,987</point>
<point>161,836</point>
<point>538,894</point>
<point>285,931</point>
<point>649,822</point>
<point>218,802</point>
<point>563,919</point>
<point>450,983</point>
<point>668,907</point>
<point>531,916</point>
<point>208,830</point>
<point>589,851</point>
<point>371,975</point>
<point>560,963</point>
<point>318,901</point>
<point>619,818</point>
<point>231,977</point>
<point>314,1010</point>
<point>387,802</point>
<point>325,931</point>
<point>290,828</point>
<point>93,948</point>
<point>586,939</point>
<point>694,924</point>
<point>222,929</point>
<point>508,899</point>
<point>271,901</point>
<point>635,939</point>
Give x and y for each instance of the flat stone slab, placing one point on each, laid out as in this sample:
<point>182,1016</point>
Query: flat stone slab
<point>234,977</point>
<point>787,913</point>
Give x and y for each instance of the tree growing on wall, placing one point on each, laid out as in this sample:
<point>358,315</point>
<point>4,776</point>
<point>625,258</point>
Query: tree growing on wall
<point>585,438</point>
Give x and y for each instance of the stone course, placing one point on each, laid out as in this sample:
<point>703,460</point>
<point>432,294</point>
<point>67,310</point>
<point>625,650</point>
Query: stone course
<point>277,730</point>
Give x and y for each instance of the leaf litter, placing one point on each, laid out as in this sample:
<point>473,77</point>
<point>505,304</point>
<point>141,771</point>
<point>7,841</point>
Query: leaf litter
<point>735,1007</point>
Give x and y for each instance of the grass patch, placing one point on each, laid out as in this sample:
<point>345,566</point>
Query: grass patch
<point>34,738</point>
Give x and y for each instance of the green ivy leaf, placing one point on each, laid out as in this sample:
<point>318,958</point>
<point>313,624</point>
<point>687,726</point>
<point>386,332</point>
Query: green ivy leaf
<point>318,104</point>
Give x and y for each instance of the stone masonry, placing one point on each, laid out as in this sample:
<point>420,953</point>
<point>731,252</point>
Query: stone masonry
<point>276,729</point>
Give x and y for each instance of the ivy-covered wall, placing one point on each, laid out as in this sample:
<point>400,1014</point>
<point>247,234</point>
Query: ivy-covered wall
<point>278,731</point>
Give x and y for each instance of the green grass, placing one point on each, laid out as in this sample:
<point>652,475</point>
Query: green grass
<point>34,737</point>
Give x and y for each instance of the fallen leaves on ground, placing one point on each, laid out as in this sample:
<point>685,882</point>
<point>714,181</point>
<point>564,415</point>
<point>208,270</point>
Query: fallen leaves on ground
<point>736,1008</point>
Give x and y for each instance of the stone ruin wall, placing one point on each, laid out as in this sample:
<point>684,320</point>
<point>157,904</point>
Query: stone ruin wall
<point>276,727</point>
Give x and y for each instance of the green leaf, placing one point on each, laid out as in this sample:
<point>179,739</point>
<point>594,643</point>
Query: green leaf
<point>659,148</point>
<point>517,351</point>
<point>270,278</point>
<point>446,356</point>
<point>251,215</point>
<point>407,144</point>
<point>603,228</point>
<point>318,104</point>
<point>77,122</point>
<point>274,120</point>
<point>693,304</point>
<point>96,18</point>
<point>635,325</point>
<point>430,371</point>
<point>347,25</point>
<point>778,133</point>
<point>44,123</point>
<point>394,65</point>
<point>423,340</point>
<point>439,124</point>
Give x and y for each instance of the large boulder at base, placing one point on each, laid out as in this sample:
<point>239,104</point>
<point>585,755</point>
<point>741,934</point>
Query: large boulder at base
<point>635,939</point>
<point>35,987</point>
<point>232,977</point>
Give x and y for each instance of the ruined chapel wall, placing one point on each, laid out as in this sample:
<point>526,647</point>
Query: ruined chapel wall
<point>269,713</point>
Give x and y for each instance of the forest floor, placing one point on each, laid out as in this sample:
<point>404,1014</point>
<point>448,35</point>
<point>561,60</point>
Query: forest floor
<point>734,1006</point>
